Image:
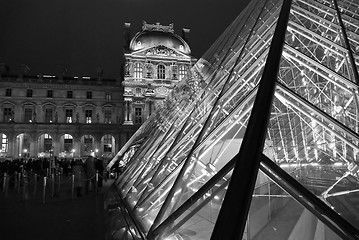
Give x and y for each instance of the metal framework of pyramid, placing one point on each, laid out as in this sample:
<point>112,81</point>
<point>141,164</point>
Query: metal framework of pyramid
<point>260,141</point>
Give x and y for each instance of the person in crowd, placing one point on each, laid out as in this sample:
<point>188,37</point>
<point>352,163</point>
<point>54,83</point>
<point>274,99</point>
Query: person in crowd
<point>78,172</point>
<point>65,165</point>
<point>90,173</point>
<point>99,168</point>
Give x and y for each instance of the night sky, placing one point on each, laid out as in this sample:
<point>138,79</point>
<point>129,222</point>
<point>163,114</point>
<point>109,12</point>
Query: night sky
<point>83,35</point>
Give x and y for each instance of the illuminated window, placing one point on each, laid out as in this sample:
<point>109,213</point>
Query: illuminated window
<point>89,95</point>
<point>4,143</point>
<point>138,71</point>
<point>49,93</point>
<point>138,91</point>
<point>8,114</point>
<point>28,115</point>
<point>69,94</point>
<point>108,116</point>
<point>161,72</point>
<point>8,92</point>
<point>67,142</point>
<point>138,115</point>
<point>47,143</point>
<point>88,143</point>
<point>68,115</point>
<point>108,96</point>
<point>29,93</point>
<point>48,115</point>
<point>88,116</point>
<point>182,72</point>
<point>107,143</point>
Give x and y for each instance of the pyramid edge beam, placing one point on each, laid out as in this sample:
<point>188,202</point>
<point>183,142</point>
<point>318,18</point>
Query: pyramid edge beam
<point>237,201</point>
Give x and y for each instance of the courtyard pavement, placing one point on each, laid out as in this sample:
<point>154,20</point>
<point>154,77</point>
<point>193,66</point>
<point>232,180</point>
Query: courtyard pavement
<point>60,217</point>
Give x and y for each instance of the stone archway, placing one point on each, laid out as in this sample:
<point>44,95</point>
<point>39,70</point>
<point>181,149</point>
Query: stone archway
<point>108,146</point>
<point>22,145</point>
<point>66,143</point>
<point>45,146</point>
<point>88,146</point>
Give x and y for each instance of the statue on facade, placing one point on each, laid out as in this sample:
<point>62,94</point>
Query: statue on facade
<point>149,70</point>
<point>127,68</point>
<point>34,117</point>
<point>97,118</point>
<point>12,116</point>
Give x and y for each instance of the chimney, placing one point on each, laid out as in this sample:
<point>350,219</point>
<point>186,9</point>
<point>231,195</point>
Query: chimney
<point>186,34</point>
<point>127,35</point>
<point>24,69</point>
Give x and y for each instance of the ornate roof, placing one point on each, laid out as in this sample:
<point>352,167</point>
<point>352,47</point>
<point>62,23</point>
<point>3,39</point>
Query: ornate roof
<point>156,34</point>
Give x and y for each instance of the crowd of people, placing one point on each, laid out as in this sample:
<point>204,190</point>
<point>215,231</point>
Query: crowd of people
<point>83,169</point>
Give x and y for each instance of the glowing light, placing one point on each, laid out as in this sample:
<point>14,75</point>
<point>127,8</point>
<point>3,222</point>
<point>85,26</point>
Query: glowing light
<point>73,150</point>
<point>96,150</point>
<point>338,164</point>
<point>25,150</point>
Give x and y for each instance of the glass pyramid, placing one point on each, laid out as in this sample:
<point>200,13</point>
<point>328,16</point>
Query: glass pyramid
<point>260,139</point>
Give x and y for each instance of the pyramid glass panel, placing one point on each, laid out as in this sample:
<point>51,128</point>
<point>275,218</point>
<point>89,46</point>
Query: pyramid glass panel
<point>264,129</point>
<point>275,214</point>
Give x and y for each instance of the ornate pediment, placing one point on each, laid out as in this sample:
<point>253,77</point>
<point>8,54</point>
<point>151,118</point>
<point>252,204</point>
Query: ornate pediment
<point>160,50</point>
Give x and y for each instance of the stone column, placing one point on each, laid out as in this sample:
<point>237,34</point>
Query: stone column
<point>33,152</point>
<point>117,143</point>
<point>11,148</point>
<point>56,146</point>
<point>128,112</point>
<point>76,146</point>
<point>97,145</point>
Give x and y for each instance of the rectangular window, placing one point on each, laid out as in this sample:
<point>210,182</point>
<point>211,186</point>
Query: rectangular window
<point>29,93</point>
<point>138,115</point>
<point>88,116</point>
<point>108,116</point>
<point>89,95</point>
<point>108,96</point>
<point>28,115</point>
<point>161,72</point>
<point>8,115</point>
<point>68,114</point>
<point>137,71</point>
<point>8,92</point>
<point>48,115</point>
<point>69,94</point>
<point>182,72</point>
<point>49,93</point>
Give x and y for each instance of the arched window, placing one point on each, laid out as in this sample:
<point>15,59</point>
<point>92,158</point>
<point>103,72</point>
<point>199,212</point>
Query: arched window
<point>68,142</point>
<point>4,143</point>
<point>161,71</point>
<point>138,71</point>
